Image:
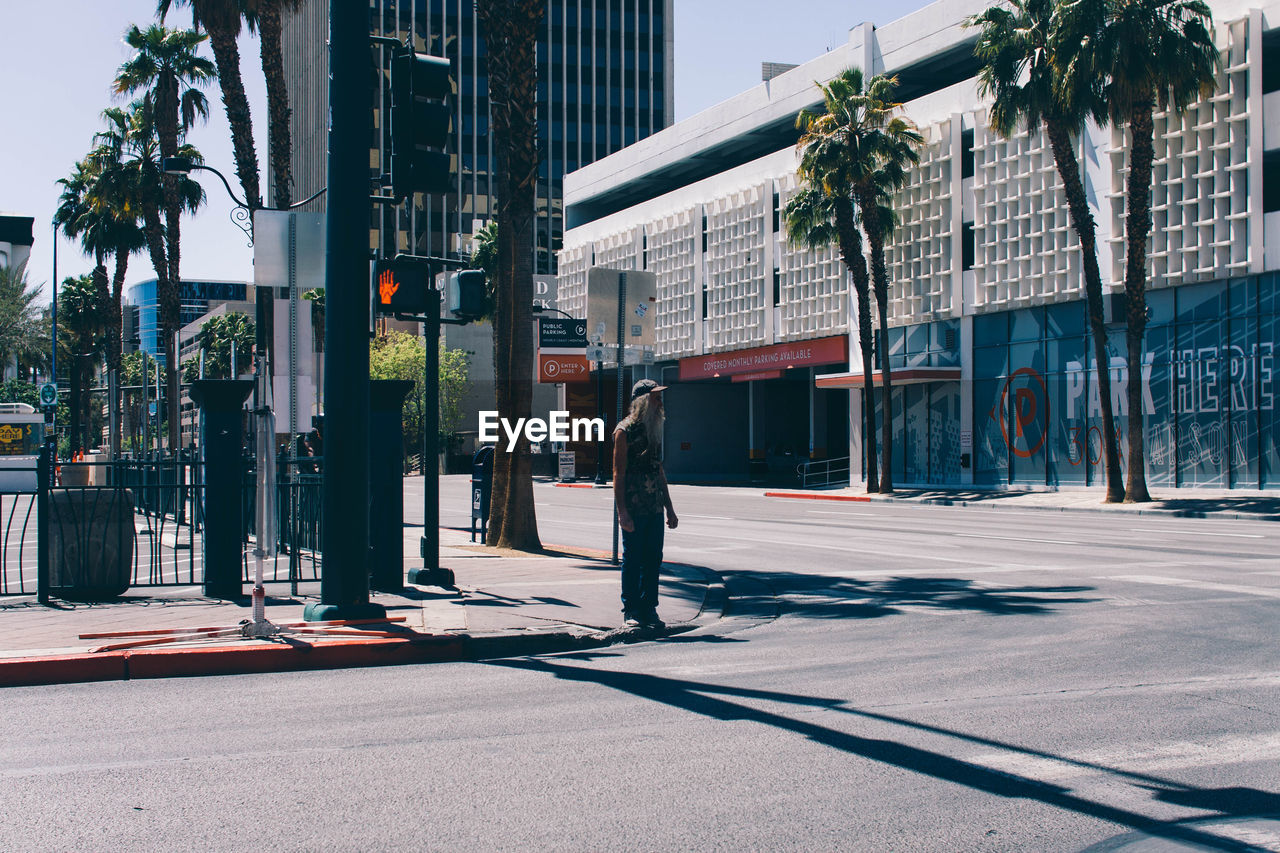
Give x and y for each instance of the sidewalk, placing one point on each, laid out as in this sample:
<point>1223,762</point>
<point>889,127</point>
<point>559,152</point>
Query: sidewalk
<point>1186,503</point>
<point>503,605</point>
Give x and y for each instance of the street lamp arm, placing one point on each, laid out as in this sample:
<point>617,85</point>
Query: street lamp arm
<point>225,183</point>
<point>538,309</point>
<point>309,199</point>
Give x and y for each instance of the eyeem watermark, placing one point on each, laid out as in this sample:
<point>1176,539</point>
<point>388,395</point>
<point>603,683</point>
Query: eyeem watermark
<point>560,428</point>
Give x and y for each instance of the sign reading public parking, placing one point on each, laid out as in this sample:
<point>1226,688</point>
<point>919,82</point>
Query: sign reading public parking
<point>561,332</point>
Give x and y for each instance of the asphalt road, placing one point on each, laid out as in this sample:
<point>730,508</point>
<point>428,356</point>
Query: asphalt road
<point>886,677</point>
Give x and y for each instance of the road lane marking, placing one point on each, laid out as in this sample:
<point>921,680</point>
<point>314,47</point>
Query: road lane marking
<point>1016,538</point>
<point>1195,584</point>
<point>1186,532</point>
<point>1141,759</point>
<point>714,517</point>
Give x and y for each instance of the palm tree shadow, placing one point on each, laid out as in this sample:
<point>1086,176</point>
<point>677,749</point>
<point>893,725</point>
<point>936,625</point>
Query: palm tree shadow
<point>839,597</point>
<point>708,700</point>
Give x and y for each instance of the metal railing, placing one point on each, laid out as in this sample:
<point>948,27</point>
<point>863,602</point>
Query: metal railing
<point>132,523</point>
<point>824,472</point>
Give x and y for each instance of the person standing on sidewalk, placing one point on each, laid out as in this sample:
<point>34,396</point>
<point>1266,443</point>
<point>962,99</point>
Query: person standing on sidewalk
<point>641,494</point>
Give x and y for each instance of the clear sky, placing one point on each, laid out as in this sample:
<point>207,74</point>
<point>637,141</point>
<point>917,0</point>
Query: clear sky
<point>58,57</point>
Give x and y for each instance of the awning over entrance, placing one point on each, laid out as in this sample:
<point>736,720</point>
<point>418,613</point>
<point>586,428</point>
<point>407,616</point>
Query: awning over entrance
<point>901,376</point>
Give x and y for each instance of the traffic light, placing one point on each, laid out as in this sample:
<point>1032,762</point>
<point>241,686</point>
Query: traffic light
<point>400,287</point>
<point>420,89</point>
<point>465,295</point>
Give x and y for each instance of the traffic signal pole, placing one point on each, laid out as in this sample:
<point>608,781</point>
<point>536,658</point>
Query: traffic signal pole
<point>344,586</point>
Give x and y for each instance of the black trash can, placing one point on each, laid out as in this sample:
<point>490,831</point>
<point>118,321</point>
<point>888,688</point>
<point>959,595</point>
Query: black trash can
<point>90,543</point>
<point>481,488</point>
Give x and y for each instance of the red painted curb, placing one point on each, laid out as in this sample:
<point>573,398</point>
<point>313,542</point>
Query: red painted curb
<point>170,663</point>
<point>226,660</point>
<point>813,497</point>
<point>575,485</point>
<point>61,669</point>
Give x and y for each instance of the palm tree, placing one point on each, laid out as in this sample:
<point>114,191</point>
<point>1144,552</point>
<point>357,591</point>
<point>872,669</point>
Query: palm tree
<point>80,328</point>
<point>168,71</point>
<point>510,28</point>
<point>820,214</point>
<point>1020,74</point>
<point>131,144</point>
<point>21,334</point>
<point>1144,55</point>
<point>118,200</point>
<point>870,148</point>
<point>281,143</point>
<point>222,20</point>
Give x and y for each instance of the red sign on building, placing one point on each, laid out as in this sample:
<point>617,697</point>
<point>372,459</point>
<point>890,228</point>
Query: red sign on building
<point>563,367</point>
<point>833,350</point>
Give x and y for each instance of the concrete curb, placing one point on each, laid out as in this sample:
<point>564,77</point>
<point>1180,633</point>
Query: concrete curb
<point>259,657</point>
<point>1009,507</point>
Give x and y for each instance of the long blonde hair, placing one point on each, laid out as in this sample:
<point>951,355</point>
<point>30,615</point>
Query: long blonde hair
<point>651,417</point>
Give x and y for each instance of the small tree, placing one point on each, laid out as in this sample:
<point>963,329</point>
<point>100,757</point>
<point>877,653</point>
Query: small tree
<point>398,355</point>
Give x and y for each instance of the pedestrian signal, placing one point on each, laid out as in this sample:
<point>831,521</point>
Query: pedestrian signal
<point>400,287</point>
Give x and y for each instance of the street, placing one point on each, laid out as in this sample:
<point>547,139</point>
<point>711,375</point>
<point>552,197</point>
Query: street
<point>885,677</point>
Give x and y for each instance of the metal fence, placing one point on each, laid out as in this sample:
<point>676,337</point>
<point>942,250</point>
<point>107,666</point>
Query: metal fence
<point>130,523</point>
<point>824,472</point>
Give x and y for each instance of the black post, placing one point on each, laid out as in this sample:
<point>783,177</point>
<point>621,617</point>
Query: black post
<point>386,483</point>
<point>44,479</point>
<point>222,403</point>
<point>622,318</point>
<point>344,583</point>
<point>429,546</point>
<point>600,477</point>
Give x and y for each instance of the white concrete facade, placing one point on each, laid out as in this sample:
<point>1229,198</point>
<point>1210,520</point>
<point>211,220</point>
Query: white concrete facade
<point>728,279</point>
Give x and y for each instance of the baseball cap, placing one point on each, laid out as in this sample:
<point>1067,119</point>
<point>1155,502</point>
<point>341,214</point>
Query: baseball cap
<point>645,386</point>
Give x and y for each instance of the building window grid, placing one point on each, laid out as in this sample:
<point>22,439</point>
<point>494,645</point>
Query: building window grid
<point>814,285</point>
<point>919,255</point>
<point>571,281</point>
<point>1200,181</point>
<point>672,257</point>
<point>1026,250</point>
<point>736,278</point>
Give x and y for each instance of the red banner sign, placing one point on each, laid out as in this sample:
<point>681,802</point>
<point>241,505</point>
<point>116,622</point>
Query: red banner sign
<point>556,367</point>
<point>831,350</point>
<point>758,376</point>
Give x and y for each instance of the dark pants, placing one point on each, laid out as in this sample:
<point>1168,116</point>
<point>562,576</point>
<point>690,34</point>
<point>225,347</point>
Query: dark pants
<point>641,559</point>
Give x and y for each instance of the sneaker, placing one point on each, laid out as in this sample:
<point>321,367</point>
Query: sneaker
<point>631,621</point>
<point>651,620</point>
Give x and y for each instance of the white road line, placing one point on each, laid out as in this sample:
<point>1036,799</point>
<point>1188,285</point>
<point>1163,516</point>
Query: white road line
<point>1186,532</point>
<point>1148,758</point>
<point>1194,584</point>
<point>714,517</point>
<point>853,550</point>
<point>1017,538</point>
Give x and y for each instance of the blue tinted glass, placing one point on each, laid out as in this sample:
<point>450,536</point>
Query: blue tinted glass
<point>990,329</point>
<point>1067,318</point>
<point>1027,325</point>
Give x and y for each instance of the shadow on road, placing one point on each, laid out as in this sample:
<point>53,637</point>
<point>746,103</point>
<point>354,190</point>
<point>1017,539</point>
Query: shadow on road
<point>708,700</point>
<point>838,597</point>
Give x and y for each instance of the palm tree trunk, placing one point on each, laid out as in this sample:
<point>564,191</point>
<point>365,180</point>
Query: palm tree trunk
<point>1064,156</point>
<point>851,253</point>
<point>155,247</point>
<point>1137,229</point>
<point>281,147</point>
<point>879,276</point>
<point>226,55</point>
<point>510,28</point>
<point>114,345</point>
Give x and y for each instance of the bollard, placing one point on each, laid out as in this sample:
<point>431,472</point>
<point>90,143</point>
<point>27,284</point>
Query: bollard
<point>386,483</point>
<point>221,401</point>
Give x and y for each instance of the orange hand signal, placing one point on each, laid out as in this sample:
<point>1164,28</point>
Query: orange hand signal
<point>387,286</point>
